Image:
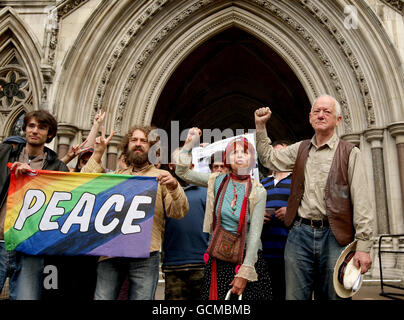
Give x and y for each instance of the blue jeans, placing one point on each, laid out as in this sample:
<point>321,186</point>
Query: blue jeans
<point>25,274</point>
<point>8,267</point>
<point>143,275</point>
<point>310,257</point>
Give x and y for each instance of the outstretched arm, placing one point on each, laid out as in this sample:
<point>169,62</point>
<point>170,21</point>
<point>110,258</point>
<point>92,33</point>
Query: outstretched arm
<point>278,160</point>
<point>98,119</point>
<point>74,152</point>
<point>88,143</point>
<point>261,117</point>
<point>182,169</point>
<point>101,143</point>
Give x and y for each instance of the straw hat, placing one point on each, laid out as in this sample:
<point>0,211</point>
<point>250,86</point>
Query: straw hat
<point>347,278</point>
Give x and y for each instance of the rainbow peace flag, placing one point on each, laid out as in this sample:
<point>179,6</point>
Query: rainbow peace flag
<point>68,213</point>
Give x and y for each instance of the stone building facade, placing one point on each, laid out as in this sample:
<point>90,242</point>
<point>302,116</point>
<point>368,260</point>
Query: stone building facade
<point>211,63</point>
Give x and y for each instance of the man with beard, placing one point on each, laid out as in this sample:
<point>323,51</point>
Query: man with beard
<point>25,271</point>
<point>142,273</point>
<point>184,244</point>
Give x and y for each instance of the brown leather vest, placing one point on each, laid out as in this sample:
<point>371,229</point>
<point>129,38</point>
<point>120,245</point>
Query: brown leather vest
<point>337,191</point>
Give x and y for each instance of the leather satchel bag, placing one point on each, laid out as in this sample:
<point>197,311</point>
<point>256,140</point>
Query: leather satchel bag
<point>225,245</point>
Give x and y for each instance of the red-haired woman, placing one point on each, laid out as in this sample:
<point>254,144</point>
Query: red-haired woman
<point>236,203</point>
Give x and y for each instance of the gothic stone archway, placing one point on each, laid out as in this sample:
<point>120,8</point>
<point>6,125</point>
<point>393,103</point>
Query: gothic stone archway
<point>145,43</point>
<point>222,82</point>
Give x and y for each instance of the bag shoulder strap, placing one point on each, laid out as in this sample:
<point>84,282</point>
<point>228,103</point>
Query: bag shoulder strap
<point>220,194</point>
<point>244,213</point>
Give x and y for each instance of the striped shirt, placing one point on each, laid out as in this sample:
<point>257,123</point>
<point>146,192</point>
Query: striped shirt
<point>274,233</point>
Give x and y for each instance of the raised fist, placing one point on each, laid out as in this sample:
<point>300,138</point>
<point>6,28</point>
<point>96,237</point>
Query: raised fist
<point>262,115</point>
<point>192,137</point>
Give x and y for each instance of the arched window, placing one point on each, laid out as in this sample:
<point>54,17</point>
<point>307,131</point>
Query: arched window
<point>16,129</point>
<point>16,94</point>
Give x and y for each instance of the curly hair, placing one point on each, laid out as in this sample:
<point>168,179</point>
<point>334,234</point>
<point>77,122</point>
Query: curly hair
<point>148,131</point>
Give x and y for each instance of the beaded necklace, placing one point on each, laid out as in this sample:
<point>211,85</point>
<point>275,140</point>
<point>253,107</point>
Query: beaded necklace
<point>233,204</point>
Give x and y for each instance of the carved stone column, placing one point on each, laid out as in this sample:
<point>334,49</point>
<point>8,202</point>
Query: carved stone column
<point>65,133</point>
<point>397,131</point>
<point>352,138</point>
<point>375,138</point>
<point>112,152</point>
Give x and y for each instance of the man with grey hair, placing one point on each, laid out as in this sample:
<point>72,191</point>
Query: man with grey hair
<point>335,101</point>
<point>329,204</point>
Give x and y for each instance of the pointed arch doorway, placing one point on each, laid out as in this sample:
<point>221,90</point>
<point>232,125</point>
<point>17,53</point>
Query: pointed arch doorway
<point>222,82</point>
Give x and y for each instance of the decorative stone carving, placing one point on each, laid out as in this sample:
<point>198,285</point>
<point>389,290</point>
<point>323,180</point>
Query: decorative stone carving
<point>280,14</point>
<point>147,52</point>
<point>16,87</point>
<point>55,14</point>
<point>49,49</point>
<point>67,6</point>
<point>51,37</point>
<point>397,5</point>
<point>343,44</point>
<point>277,12</point>
<point>122,44</point>
<point>274,10</point>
